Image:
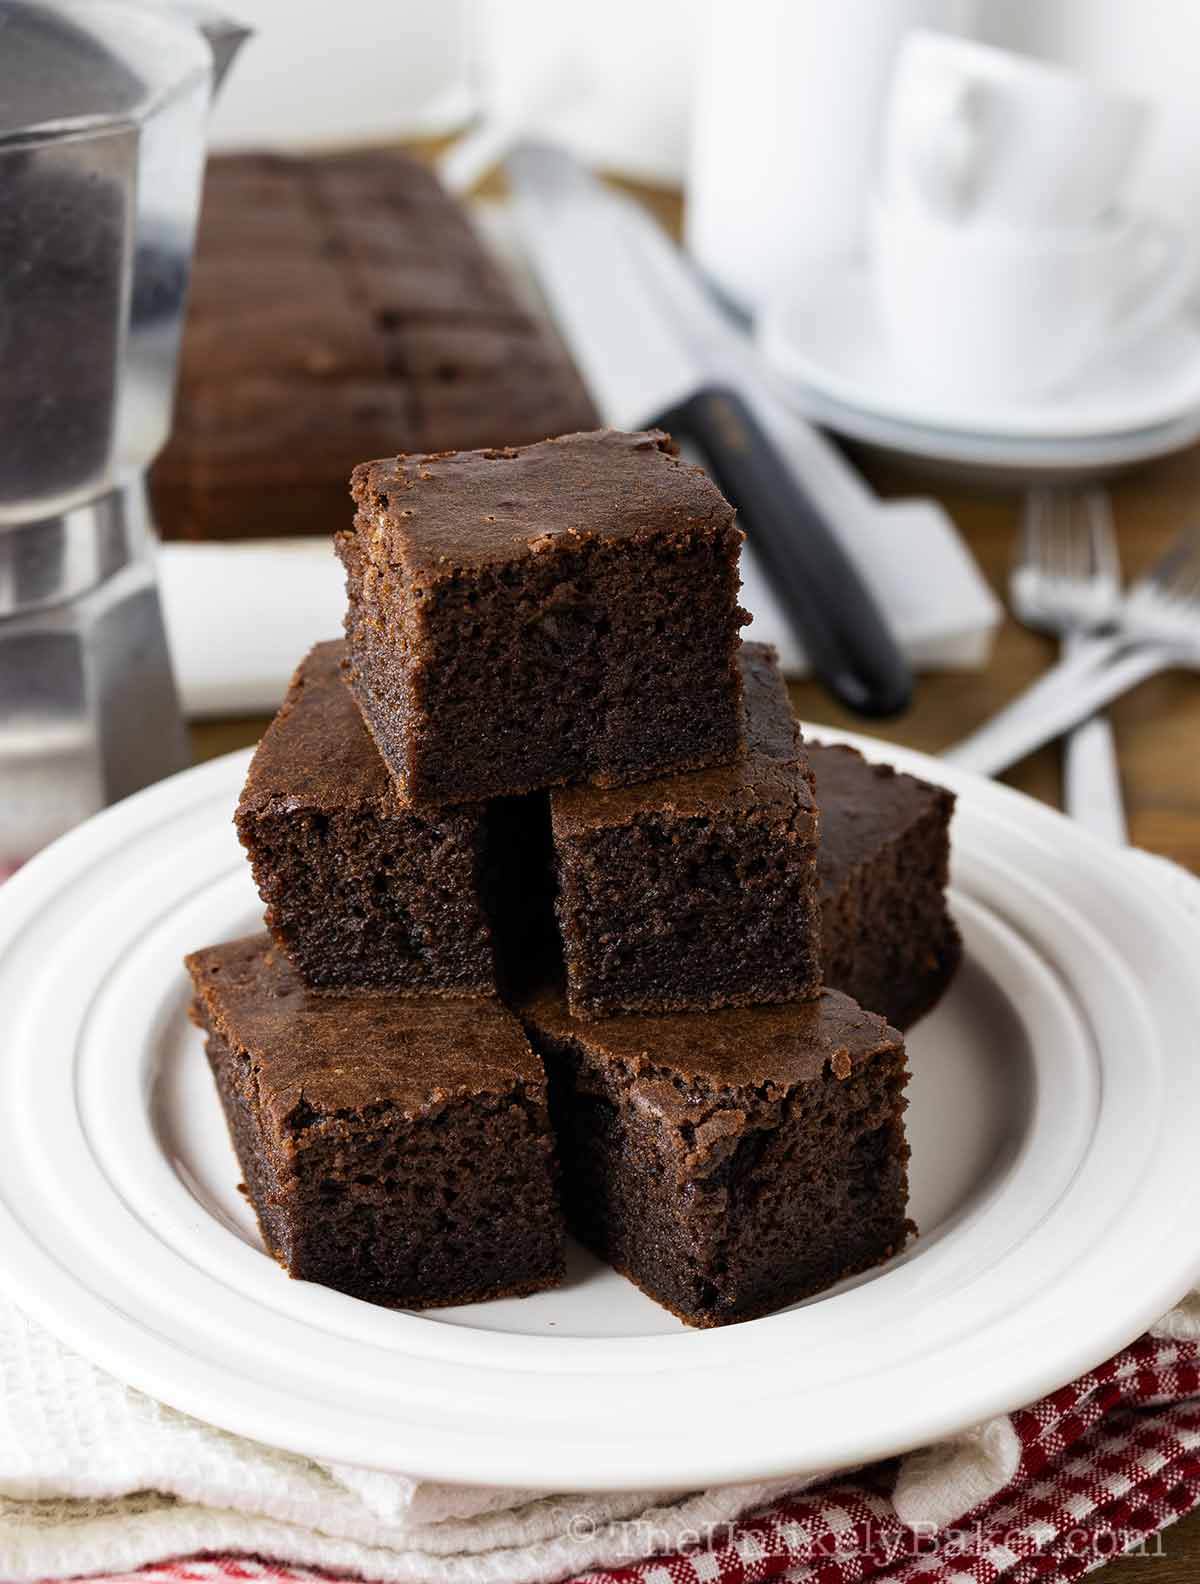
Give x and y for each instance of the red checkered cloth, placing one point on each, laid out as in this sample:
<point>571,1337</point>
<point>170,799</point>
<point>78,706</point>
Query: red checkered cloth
<point>1107,1463</point>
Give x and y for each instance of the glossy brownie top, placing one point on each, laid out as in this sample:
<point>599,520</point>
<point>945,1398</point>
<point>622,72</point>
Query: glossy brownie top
<point>778,1047</point>
<point>461,509</point>
<point>316,753</point>
<point>315,1055</point>
<point>865,806</point>
<point>775,767</point>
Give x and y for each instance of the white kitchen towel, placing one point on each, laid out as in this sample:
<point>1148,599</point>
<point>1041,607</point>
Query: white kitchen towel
<point>97,1478</point>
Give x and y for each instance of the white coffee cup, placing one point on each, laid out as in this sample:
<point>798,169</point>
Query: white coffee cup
<point>981,315</point>
<point>979,134</point>
<point>786,107</point>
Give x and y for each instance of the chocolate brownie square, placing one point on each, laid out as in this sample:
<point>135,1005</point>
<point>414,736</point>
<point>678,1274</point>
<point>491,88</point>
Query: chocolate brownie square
<point>730,1162</point>
<point>698,890</point>
<point>883,865</point>
<point>396,1150</point>
<point>565,611</point>
<point>360,892</point>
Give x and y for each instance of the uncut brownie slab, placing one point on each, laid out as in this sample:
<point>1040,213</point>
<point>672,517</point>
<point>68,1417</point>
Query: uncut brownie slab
<point>342,307</point>
<point>698,890</point>
<point>361,892</point>
<point>397,1150</point>
<point>883,863</point>
<point>523,617</point>
<point>730,1162</point>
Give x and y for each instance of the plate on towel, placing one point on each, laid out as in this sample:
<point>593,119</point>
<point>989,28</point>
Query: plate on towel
<point>1055,1108</point>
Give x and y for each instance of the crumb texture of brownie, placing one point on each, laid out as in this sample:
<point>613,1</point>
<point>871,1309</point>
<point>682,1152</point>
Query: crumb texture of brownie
<point>525,617</point>
<point>730,1163</point>
<point>884,864</point>
<point>341,307</point>
<point>360,892</point>
<point>397,1151</point>
<point>698,890</point>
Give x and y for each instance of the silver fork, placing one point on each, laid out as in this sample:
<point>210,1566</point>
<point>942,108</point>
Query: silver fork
<point>1157,626</point>
<point>1066,581</point>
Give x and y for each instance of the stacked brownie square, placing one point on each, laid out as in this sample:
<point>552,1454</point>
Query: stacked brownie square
<point>555,933</point>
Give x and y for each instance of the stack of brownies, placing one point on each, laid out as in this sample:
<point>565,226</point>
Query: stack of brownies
<point>566,926</point>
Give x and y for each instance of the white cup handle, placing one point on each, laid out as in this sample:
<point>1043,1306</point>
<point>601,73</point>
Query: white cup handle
<point>1159,292</point>
<point>947,144</point>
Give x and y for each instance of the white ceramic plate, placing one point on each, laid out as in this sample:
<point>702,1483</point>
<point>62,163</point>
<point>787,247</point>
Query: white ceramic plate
<point>1056,1104</point>
<point>828,336</point>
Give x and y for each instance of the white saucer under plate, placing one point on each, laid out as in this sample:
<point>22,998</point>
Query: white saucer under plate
<point>828,335</point>
<point>1055,1109</point>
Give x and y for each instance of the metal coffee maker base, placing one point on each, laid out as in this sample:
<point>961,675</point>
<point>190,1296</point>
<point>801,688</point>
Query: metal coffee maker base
<point>88,711</point>
<point>103,119</point>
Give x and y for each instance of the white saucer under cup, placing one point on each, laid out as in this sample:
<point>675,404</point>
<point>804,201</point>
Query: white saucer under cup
<point>827,338</point>
<point>982,316</point>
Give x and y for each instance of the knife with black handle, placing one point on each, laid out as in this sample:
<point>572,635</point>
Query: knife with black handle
<point>846,636</point>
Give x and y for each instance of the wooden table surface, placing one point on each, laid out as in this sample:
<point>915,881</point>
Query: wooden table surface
<point>1157,726</point>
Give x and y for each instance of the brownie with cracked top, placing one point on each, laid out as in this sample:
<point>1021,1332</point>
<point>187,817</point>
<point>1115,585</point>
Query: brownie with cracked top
<point>698,890</point>
<point>730,1162</point>
<point>361,892</point>
<point>396,1150</point>
<point>531,616</point>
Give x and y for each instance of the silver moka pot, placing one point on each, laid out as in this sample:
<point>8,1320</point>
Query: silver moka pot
<point>103,113</point>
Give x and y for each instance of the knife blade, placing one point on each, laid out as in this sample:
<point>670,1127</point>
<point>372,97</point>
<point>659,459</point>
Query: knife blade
<point>632,360</point>
<point>642,369</point>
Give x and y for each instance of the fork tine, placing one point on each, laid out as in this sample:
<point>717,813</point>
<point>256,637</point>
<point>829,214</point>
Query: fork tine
<point>1079,517</point>
<point>1058,529</point>
<point>1066,549</point>
<point>1104,557</point>
<point>1064,572</point>
<point>1079,535</point>
<point>1059,549</point>
<point>1052,537</point>
<point>1031,541</point>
